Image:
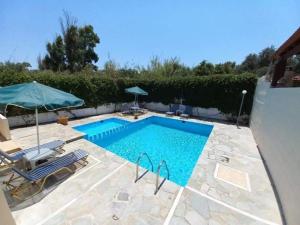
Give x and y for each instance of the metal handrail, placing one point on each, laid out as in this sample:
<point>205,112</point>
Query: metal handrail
<point>157,187</point>
<point>138,165</point>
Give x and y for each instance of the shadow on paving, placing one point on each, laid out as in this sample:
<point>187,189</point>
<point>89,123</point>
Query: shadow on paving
<point>27,193</point>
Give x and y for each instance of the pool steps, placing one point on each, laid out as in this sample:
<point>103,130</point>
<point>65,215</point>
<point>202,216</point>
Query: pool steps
<point>193,127</point>
<point>112,132</point>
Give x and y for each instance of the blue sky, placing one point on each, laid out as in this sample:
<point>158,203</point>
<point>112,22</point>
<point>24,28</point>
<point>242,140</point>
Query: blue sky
<point>133,31</point>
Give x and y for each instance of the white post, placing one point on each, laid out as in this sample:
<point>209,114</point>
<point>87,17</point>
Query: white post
<point>244,92</point>
<point>37,128</point>
<point>135,99</point>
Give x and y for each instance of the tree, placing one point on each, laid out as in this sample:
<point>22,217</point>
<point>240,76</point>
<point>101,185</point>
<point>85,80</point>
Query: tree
<point>73,50</point>
<point>173,67</point>
<point>257,62</point>
<point>265,56</point>
<point>111,69</point>
<point>88,41</point>
<point>16,67</point>
<point>55,59</point>
<point>250,64</point>
<point>294,63</point>
<point>225,68</point>
<point>167,68</point>
<point>204,68</point>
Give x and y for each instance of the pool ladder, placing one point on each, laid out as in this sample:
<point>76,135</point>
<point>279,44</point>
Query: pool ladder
<point>162,163</point>
<point>137,177</point>
<point>157,185</point>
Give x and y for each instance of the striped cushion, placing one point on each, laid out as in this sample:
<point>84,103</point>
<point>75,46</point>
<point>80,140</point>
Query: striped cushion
<point>51,145</point>
<point>48,168</point>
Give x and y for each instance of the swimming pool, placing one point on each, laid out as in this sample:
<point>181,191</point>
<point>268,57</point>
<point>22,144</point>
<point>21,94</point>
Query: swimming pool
<point>178,142</point>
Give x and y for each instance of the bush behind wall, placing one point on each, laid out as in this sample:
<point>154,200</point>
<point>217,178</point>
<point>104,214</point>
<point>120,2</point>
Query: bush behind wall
<point>218,91</point>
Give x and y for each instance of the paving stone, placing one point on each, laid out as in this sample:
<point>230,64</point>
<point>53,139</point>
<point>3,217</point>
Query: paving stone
<point>213,192</point>
<point>200,205</point>
<point>194,218</point>
<point>218,214</point>
<point>84,220</point>
<point>180,221</point>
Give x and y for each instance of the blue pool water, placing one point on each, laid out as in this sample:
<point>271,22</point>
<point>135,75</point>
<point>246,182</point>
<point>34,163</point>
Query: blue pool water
<point>178,142</point>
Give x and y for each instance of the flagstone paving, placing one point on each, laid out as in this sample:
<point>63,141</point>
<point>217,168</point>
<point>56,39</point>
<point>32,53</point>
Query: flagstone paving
<point>104,192</point>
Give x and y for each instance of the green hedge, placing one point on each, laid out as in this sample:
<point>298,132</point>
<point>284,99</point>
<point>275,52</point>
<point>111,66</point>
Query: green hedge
<point>220,91</point>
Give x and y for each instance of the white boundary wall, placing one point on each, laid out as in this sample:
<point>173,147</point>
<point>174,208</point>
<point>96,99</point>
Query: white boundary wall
<point>16,121</point>
<point>275,124</point>
<point>211,113</point>
<point>46,117</point>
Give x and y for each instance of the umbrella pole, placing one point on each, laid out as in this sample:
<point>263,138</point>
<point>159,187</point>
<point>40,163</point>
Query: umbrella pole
<point>37,128</point>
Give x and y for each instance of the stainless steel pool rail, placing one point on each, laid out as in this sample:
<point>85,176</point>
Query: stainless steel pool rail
<point>138,166</point>
<point>158,186</point>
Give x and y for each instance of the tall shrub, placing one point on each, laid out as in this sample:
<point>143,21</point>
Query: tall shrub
<point>218,91</point>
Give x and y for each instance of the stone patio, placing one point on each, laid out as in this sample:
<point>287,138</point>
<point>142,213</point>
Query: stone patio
<point>104,192</point>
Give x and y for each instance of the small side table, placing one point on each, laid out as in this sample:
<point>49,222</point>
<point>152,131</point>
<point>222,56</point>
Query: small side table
<point>34,156</point>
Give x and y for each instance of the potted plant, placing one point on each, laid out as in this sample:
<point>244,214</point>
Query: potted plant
<point>63,120</point>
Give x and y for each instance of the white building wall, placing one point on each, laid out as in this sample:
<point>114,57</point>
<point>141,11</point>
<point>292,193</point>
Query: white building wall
<point>6,217</point>
<point>4,127</point>
<point>275,124</point>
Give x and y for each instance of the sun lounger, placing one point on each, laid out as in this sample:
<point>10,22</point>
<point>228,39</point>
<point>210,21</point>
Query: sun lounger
<point>126,112</point>
<point>184,111</point>
<point>43,172</point>
<point>172,110</point>
<point>170,113</point>
<point>181,110</point>
<point>53,145</point>
<point>125,109</point>
<point>184,115</point>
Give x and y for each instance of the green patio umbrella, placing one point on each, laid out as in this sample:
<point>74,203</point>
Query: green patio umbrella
<point>36,96</point>
<point>136,91</point>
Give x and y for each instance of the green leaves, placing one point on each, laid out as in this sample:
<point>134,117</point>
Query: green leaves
<point>255,62</point>
<point>17,67</point>
<point>218,91</point>
<point>73,50</point>
<point>204,68</point>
